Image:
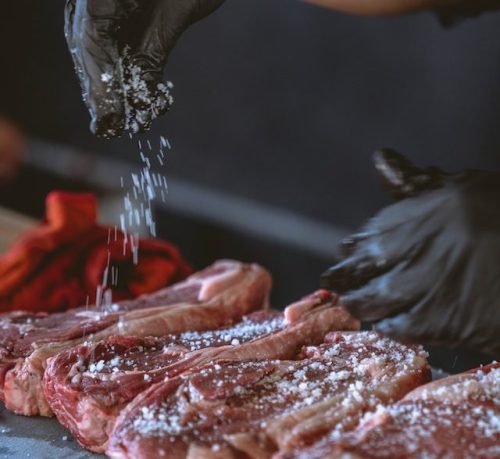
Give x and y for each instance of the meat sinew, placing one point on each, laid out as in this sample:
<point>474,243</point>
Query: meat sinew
<point>214,297</point>
<point>454,418</point>
<point>253,408</point>
<point>87,386</point>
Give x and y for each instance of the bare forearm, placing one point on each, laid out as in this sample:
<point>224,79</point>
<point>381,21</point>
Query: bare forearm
<point>381,7</point>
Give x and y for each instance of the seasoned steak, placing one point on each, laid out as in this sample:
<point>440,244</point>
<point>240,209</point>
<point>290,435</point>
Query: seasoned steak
<point>214,297</point>
<point>454,418</point>
<point>87,386</point>
<point>254,408</point>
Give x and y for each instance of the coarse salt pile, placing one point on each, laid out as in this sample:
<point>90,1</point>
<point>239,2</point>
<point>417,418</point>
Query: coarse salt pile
<point>243,331</point>
<point>107,358</point>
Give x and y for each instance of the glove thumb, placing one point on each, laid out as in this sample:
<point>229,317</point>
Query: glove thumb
<point>401,177</point>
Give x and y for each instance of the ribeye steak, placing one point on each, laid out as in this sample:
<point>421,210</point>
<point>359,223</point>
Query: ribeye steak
<point>214,297</point>
<point>255,407</point>
<point>87,386</point>
<point>454,418</point>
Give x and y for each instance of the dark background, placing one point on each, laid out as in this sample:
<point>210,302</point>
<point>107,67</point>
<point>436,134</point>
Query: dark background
<point>284,102</point>
<point>279,102</point>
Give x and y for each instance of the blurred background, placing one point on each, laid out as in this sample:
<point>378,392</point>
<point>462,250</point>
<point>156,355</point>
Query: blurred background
<point>279,106</point>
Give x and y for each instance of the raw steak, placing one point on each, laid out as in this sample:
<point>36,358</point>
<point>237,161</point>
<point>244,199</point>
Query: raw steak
<point>454,418</point>
<point>215,297</point>
<point>87,386</point>
<point>253,408</point>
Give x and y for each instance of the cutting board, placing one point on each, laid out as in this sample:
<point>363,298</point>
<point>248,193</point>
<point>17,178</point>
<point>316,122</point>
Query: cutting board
<point>12,225</point>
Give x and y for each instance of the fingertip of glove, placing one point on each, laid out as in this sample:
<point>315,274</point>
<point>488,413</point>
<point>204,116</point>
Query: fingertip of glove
<point>383,327</point>
<point>357,305</point>
<point>394,328</point>
<point>335,278</point>
<point>325,280</point>
<point>396,172</point>
<point>386,155</point>
<point>390,164</point>
<point>351,300</point>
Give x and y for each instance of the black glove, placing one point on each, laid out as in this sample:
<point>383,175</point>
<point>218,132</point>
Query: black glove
<point>427,269</point>
<point>120,48</point>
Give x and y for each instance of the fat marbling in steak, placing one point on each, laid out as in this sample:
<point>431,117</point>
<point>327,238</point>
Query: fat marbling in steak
<point>454,418</point>
<point>255,408</point>
<point>87,386</point>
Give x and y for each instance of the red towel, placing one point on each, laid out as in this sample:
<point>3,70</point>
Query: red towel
<point>61,263</point>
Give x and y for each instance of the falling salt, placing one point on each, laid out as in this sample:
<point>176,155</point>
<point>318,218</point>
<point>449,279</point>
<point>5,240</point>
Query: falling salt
<point>141,190</point>
<point>125,242</point>
<point>135,180</point>
<point>108,299</point>
<point>165,143</point>
<point>98,296</point>
<point>122,223</point>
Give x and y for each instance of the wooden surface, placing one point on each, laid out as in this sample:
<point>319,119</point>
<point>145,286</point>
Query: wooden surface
<point>12,225</point>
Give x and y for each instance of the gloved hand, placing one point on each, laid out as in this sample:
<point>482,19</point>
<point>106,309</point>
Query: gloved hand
<point>120,48</point>
<point>427,269</point>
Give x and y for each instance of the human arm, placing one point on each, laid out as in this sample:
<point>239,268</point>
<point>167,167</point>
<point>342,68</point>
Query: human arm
<point>382,7</point>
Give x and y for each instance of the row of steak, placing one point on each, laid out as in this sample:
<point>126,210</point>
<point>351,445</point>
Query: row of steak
<point>214,297</point>
<point>204,369</point>
<point>256,408</point>
<point>89,385</point>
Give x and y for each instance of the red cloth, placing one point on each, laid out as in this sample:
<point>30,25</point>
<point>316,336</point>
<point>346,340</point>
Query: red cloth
<point>61,262</point>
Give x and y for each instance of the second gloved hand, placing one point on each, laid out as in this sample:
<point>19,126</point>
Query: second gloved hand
<point>427,269</point>
<point>120,49</point>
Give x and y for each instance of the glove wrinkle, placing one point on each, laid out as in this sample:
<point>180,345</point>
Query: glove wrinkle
<point>92,43</point>
<point>388,294</point>
<point>401,177</point>
<point>120,49</point>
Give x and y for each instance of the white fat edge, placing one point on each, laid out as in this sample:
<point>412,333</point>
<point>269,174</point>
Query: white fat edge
<point>219,282</point>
